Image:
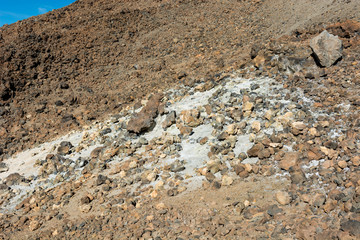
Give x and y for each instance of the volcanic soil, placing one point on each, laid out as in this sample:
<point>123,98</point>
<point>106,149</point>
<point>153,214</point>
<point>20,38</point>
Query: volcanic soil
<point>181,120</point>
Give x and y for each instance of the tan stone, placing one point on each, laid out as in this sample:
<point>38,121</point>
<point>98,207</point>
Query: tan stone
<point>248,107</point>
<point>34,225</point>
<point>328,164</point>
<point>245,98</point>
<point>151,176</point>
<point>298,125</point>
<point>85,208</point>
<point>190,117</point>
<point>324,124</point>
<point>203,140</point>
<point>231,129</point>
<point>313,132</point>
<point>355,161</point>
<point>154,194</point>
<point>259,60</point>
<point>289,160</point>
<point>226,180</point>
<point>342,164</point>
<point>283,197</point>
<point>184,130</point>
<point>132,164</point>
<point>268,114</point>
<point>159,185</point>
<point>160,206</point>
<point>55,233</point>
<point>314,154</point>
<point>329,205</point>
<point>248,167</point>
<point>284,119</point>
<point>220,119</point>
<point>305,198</point>
<point>256,126</point>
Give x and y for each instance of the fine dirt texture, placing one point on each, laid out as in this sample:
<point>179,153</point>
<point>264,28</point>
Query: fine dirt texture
<point>181,120</point>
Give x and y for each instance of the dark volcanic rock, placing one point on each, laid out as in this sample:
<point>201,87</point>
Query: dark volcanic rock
<point>13,179</point>
<point>65,148</point>
<point>351,226</point>
<point>3,166</point>
<point>144,120</point>
<point>100,180</point>
<point>255,150</point>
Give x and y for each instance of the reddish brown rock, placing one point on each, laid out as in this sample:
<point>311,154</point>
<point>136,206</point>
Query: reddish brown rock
<point>255,150</point>
<point>315,154</point>
<point>289,160</point>
<point>144,120</point>
<point>190,117</point>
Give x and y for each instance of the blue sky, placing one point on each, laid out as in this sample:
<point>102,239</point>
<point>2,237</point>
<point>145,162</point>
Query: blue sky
<point>14,10</point>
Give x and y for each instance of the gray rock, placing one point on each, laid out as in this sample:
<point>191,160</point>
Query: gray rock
<point>169,120</point>
<point>327,48</point>
<point>177,168</point>
<point>273,210</point>
<point>143,141</point>
<point>101,179</point>
<point>3,188</point>
<point>105,131</point>
<point>3,167</point>
<point>13,179</point>
<point>351,226</point>
<point>64,148</point>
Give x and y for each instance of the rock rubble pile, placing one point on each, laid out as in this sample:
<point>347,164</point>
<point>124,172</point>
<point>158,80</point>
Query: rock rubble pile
<point>270,150</point>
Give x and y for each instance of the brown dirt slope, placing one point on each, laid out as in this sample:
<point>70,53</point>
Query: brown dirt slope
<point>70,66</point>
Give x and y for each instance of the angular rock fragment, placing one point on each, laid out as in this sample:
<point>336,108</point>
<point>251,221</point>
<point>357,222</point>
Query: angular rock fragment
<point>34,225</point>
<point>351,226</point>
<point>226,180</point>
<point>255,150</point>
<point>283,197</point>
<point>289,160</point>
<point>3,167</point>
<point>85,208</point>
<point>169,120</point>
<point>13,179</point>
<point>190,117</point>
<point>101,179</point>
<point>273,210</point>
<point>144,120</point>
<point>64,148</point>
<point>327,48</point>
<point>96,152</point>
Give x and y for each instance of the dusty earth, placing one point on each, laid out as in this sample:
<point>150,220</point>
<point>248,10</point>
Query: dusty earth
<point>180,120</point>
<point>71,66</point>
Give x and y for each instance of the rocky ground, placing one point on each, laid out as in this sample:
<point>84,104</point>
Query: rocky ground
<point>261,147</point>
<point>65,69</point>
